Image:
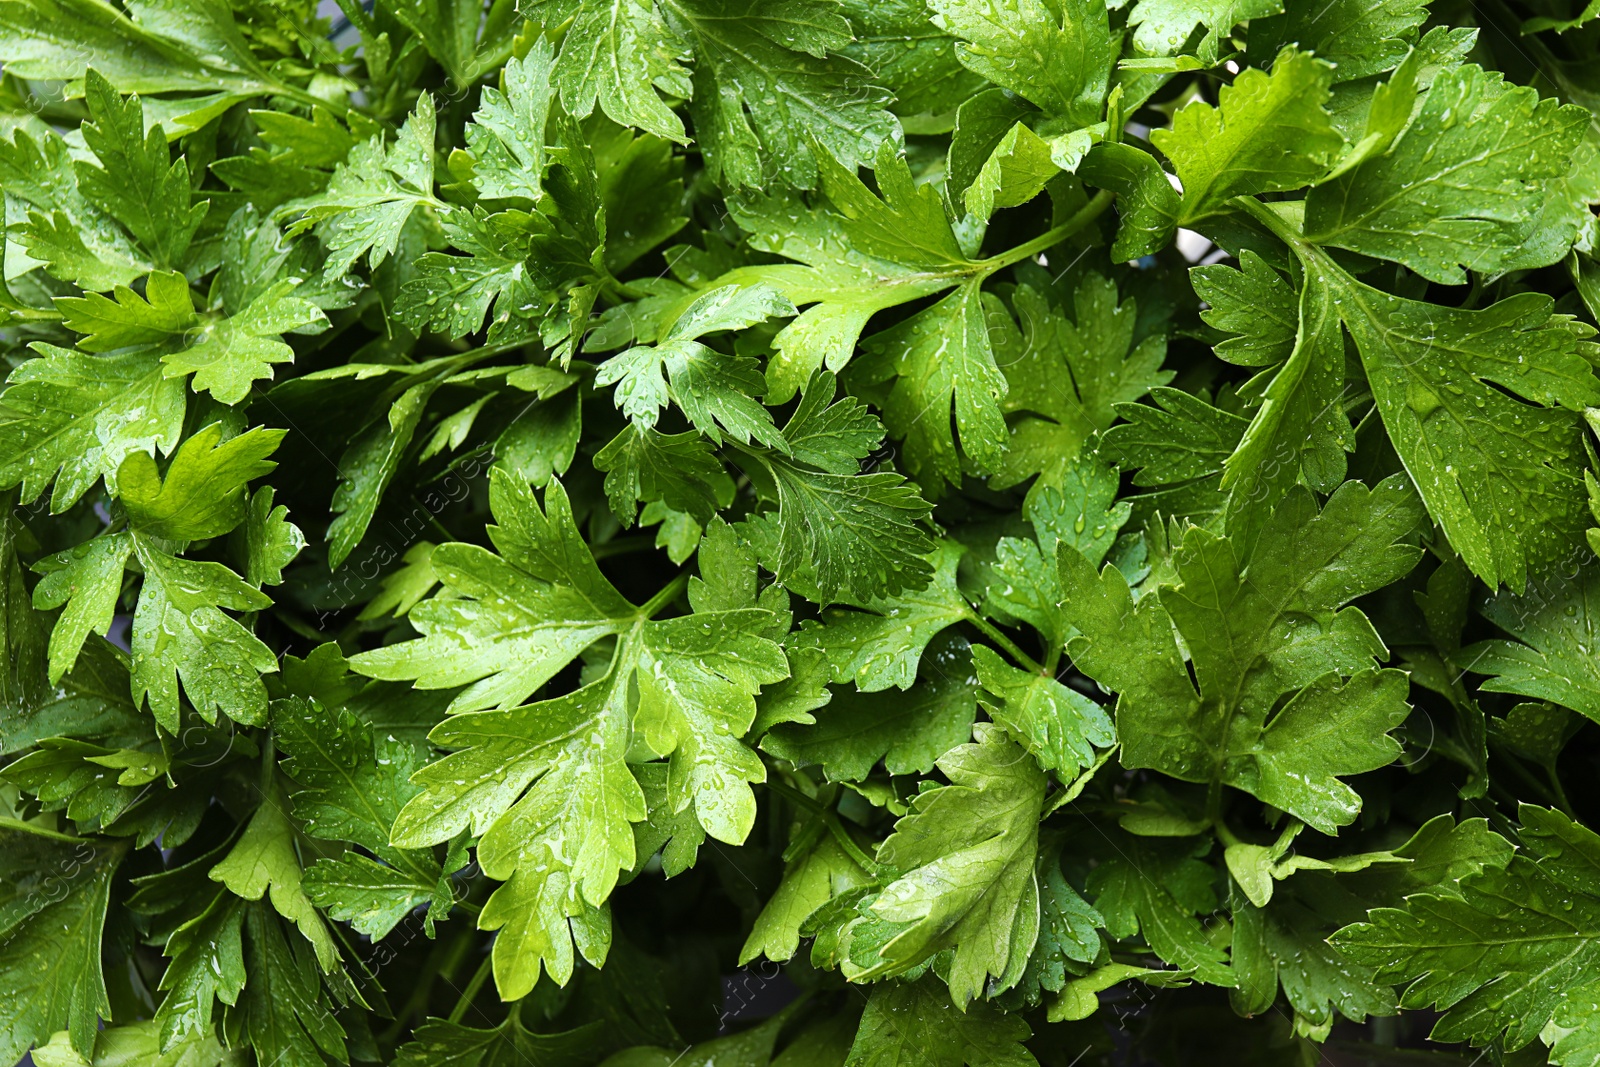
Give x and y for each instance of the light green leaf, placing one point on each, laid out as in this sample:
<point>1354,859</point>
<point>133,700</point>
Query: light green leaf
<point>227,355</point>
<point>371,195</point>
<point>968,850</point>
<point>940,359</point>
<point>1059,725</point>
<point>1269,133</point>
<point>203,492</point>
<point>262,862</point>
<point>80,416</point>
<point>1056,56</point>
<point>862,254</point>
<point>137,182</point>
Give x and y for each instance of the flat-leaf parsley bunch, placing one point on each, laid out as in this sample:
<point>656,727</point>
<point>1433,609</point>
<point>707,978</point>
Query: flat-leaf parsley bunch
<point>810,533</point>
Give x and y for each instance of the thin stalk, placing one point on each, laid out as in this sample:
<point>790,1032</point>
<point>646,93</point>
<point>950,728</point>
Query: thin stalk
<point>1270,219</point>
<point>831,820</point>
<point>1561,794</point>
<point>1053,236</point>
<point>667,595</point>
<point>988,630</point>
<point>620,546</point>
<point>1533,782</point>
<point>471,992</point>
<point>1225,835</point>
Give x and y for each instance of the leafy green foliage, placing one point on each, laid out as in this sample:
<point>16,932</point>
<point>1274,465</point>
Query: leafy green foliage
<point>1062,531</point>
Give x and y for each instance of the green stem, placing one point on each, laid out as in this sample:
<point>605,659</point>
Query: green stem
<point>619,546</point>
<point>829,819</point>
<point>846,842</point>
<point>1053,236</point>
<point>1273,221</point>
<point>1214,802</point>
<point>667,595</point>
<point>1052,660</point>
<point>789,792</point>
<point>1225,835</point>
<point>1560,793</point>
<point>1508,760</point>
<point>478,978</point>
<point>990,631</point>
<point>28,314</point>
<point>309,99</point>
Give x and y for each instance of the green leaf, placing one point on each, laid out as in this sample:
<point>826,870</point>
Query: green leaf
<point>513,619</point>
<point>941,358</point>
<point>1551,656</point>
<point>1268,133</point>
<point>58,39</point>
<point>1057,57</point>
<point>1016,171</point>
<point>1058,725</point>
<point>908,731</point>
<point>612,54</point>
<point>841,536</point>
<point>179,632</point>
<point>284,1011</point>
<point>909,56</point>
<point>1023,581</point>
<point>1252,302</point>
<point>1360,39</point>
<point>50,959</point>
<point>200,926</point>
<point>203,493</point>
<point>561,847</point>
<point>1068,377</point>
<point>679,470</point>
<point>1241,621</point>
<point>1147,203</point>
<point>1287,941</point>
<point>135,1043</point>
<point>771,96</point>
<point>371,195</point>
<point>440,1043</point>
<point>1164,25</point>
<point>370,896</point>
<point>227,355</point>
<point>1068,931</point>
<point>1507,953</point>
<point>1462,197</point>
<point>126,318</point>
<point>271,541</point>
<point>262,862</point>
<point>137,182</point>
<point>87,581</point>
<point>882,644</point>
<point>915,1022</point>
<point>1155,888</point>
<point>77,417</point>
<point>1300,432</point>
<point>863,254</point>
<point>1501,479</point>
<point>714,390</point>
<point>1178,439</point>
<point>968,851</point>
<point>370,463</point>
